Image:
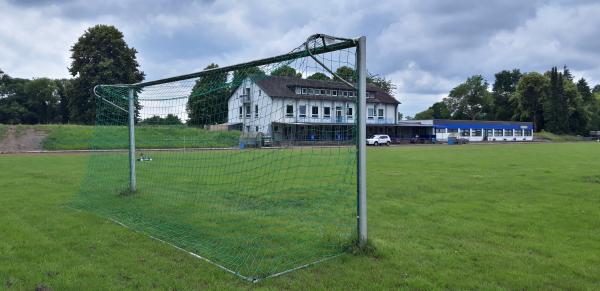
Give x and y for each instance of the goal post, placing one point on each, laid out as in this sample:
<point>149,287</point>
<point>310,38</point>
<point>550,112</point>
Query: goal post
<point>258,167</point>
<point>361,63</point>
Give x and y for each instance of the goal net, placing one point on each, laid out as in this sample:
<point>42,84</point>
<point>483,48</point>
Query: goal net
<point>252,167</point>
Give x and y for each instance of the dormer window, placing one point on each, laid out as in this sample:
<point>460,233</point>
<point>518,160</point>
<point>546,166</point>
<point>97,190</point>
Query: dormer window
<point>304,91</point>
<point>310,91</point>
<point>298,90</point>
<point>345,93</point>
<point>334,92</point>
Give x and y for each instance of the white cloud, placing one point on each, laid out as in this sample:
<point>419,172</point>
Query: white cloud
<point>425,47</point>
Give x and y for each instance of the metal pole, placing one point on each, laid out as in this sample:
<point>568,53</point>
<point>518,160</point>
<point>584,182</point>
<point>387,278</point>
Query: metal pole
<point>131,141</point>
<point>362,140</point>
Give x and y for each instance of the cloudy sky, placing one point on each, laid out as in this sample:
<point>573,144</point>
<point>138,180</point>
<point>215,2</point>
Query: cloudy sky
<point>424,47</point>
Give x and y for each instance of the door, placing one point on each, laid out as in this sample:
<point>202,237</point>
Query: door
<point>338,114</point>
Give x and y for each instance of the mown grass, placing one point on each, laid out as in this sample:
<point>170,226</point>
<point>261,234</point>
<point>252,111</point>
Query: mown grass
<point>468,217</point>
<point>544,135</point>
<point>84,137</point>
<point>3,128</point>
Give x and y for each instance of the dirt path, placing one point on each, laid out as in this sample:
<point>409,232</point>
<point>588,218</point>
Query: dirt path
<point>28,140</point>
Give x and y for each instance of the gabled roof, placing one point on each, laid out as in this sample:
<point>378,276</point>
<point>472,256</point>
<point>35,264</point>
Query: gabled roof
<point>284,87</point>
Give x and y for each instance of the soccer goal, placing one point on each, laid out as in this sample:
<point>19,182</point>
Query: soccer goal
<point>258,167</point>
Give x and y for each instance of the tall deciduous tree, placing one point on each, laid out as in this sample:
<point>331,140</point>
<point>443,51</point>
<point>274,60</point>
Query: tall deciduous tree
<point>469,99</point>
<point>286,71</point>
<point>438,110</point>
<point>504,86</point>
<point>207,103</point>
<point>100,56</point>
<point>529,97</point>
<point>318,76</point>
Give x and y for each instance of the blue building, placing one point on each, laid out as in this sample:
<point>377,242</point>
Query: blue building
<point>478,130</point>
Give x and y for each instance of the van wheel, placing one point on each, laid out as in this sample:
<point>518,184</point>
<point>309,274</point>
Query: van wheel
<point>387,143</point>
<point>376,144</point>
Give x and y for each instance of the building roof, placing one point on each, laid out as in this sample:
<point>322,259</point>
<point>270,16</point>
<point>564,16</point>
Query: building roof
<point>284,87</point>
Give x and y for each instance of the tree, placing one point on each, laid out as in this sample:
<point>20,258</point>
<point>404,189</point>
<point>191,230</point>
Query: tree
<point>596,89</point>
<point>584,90</point>
<point>318,76</point>
<point>438,110</point>
<point>556,111</point>
<point>468,99</point>
<point>504,86</point>
<point>346,73</point>
<point>207,103</point>
<point>253,72</point>
<point>42,101</point>
<point>64,90</point>
<point>529,97</point>
<point>383,83</point>
<point>286,71</point>
<point>170,119</point>
<point>100,56</point>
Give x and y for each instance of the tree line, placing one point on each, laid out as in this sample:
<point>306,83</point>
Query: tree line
<point>101,56</point>
<point>553,101</point>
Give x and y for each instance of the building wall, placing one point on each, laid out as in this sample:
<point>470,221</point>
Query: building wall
<point>275,110</point>
<point>252,122</point>
<point>472,134</point>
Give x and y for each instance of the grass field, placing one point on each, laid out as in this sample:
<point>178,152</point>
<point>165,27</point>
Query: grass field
<point>466,217</point>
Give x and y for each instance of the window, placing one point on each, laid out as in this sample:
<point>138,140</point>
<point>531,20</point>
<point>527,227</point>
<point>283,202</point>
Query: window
<point>310,91</point>
<point>452,130</point>
<point>497,132</point>
<point>508,132</point>
<point>327,112</point>
<point>302,111</point>
<point>476,132</point>
<point>440,130</point>
<point>304,91</point>
<point>299,90</point>
<point>317,92</point>
<point>256,111</point>
<point>247,110</point>
<point>289,111</point>
<point>259,92</point>
<point>349,112</point>
<point>241,109</point>
<point>315,111</point>
<point>489,132</point>
<point>345,93</point>
<point>371,113</point>
<point>380,113</point>
<point>327,92</point>
<point>256,129</point>
<point>518,132</point>
<point>323,92</point>
<point>527,132</point>
<point>333,92</point>
<point>465,132</point>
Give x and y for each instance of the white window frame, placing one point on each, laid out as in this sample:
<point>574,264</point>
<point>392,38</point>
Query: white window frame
<point>325,115</point>
<point>248,113</point>
<point>304,91</point>
<point>334,92</point>
<point>289,114</point>
<point>312,114</point>
<point>300,114</point>
<point>382,115</point>
<point>371,113</point>
<point>255,111</point>
<point>351,111</point>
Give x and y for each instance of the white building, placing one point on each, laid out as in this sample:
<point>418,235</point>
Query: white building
<point>288,108</point>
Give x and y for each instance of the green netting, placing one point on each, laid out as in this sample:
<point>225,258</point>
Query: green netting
<point>227,170</point>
